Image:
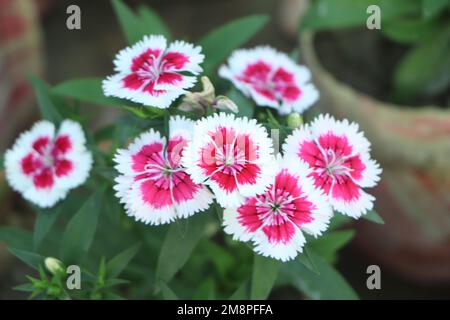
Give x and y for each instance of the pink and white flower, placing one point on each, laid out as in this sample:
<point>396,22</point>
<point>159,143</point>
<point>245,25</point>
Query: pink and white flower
<point>276,219</point>
<point>43,165</point>
<point>233,156</point>
<point>153,186</point>
<point>339,156</point>
<point>153,74</point>
<point>271,79</point>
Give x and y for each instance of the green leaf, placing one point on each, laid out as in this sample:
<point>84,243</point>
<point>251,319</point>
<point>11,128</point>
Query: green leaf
<point>136,26</point>
<point>129,22</point>
<point>26,287</point>
<point>410,31</point>
<point>374,217</point>
<point>152,23</point>
<point>206,290</point>
<point>338,220</point>
<point>145,112</point>
<point>265,273</point>
<point>167,293</point>
<point>80,230</point>
<point>241,293</point>
<point>219,43</point>
<point>88,90</point>
<point>46,106</point>
<point>327,245</point>
<point>117,264</point>
<point>16,238</point>
<point>328,284</point>
<point>246,108</point>
<point>430,8</point>
<point>331,14</point>
<point>177,247</point>
<point>306,260</point>
<point>44,222</point>
<point>420,66</point>
<point>222,259</point>
<point>32,259</point>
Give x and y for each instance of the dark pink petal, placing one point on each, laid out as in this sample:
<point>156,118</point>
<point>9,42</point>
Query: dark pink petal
<point>63,167</point>
<point>291,93</point>
<point>40,144</point>
<point>174,61</point>
<point>310,153</point>
<point>282,232</point>
<point>345,189</point>
<point>155,193</point>
<point>44,179</point>
<point>357,167</point>
<point>29,164</point>
<point>248,174</point>
<point>133,81</point>
<point>150,153</point>
<point>145,59</point>
<point>338,144</point>
<point>62,145</point>
<point>249,216</point>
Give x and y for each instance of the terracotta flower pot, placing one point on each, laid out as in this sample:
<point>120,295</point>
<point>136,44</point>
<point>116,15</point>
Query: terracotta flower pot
<point>413,147</point>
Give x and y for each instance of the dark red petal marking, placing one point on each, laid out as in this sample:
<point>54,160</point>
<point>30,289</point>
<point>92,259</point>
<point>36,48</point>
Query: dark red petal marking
<point>283,76</point>
<point>150,153</point>
<point>293,209</point>
<point>248,215</point>
<point>282,232</point>
<point>29,164</point>
<point>184,188</point>
<point>154,194</point>
<point>174,60</point>
<point>257,72</point>
<point>291,93</point>
<point>334,167</point>
<point>264,92</point>
<point>63,167</point>
<point>345,189</point>
<point>62,144</point>
<point>357,167</point>
<point>146,58</point>
<point>229,146</point>
<point>44,180</point>
<point>133,81</point>
<point>338,144</point>
<point>277,85</point>
<point>310,153</point>
<point>40,144</point>
<point>170,78</point>
<point>248,174</point>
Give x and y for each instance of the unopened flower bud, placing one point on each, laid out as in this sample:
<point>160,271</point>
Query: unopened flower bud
<point>225,103</point>
<point>294,120</point>
<point>54,265</point>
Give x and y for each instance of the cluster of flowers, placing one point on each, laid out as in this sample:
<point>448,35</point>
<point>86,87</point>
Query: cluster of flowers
<point>269,199</point>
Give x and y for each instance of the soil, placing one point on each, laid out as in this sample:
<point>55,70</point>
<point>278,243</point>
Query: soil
<point>366,60</point>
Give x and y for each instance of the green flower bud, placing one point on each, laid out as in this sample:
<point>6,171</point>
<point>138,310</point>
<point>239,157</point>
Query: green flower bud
<point>54,265</point>
<point>294,120</point>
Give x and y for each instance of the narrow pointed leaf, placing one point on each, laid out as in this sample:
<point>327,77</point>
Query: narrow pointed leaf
<point>81,229</point>
<point>219,43</point>
<point>177,247</point>
<point>265,273</point>
<point>117,264</point>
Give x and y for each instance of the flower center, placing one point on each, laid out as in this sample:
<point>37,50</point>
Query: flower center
<point>153,69</point>
<point>335,165</point>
